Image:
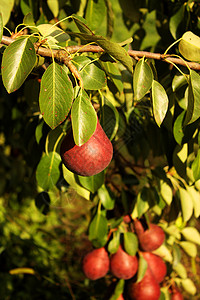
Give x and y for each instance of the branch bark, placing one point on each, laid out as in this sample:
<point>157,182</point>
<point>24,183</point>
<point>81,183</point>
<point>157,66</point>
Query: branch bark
<point>136,54</point>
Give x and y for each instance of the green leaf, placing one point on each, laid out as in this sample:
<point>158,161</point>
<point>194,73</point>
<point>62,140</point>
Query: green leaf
<point>98,227</point>
<point>175,21</point>
<point>189,286</point>
<point>110,119</point>
<point>195,196</point>
<point>130,243</point>
<point>82,24</point>
<point>189,46</point>
<point>95,13</point>
<point>193,95</point>
<point>191,234</point>
<point>1,27</point>
<point>71,180</point>
<point>142,202</point>
<point>142,79</point>
<point>180,270</point>
<point>196,166</point>
<point>160,102</point>
<point>18,61</point>
<point>48,172</point>
<point>164,252</point>
<point>189,248</point>
<point>114,74</point>
<point>92,183</point>
<point>91,73</point>
<point>151,34</point>
<point>54,6</point>
<point>53,34</point>
<point>6,7</point>
<point>142,267</point>
<point>186,204</point>
<point>56,95</point>
<point>106,197</point>
<point>166,192</point>
<point>114,49</point>
<point>118,290</point>
<point>113,245</point>
<point>84,119</point>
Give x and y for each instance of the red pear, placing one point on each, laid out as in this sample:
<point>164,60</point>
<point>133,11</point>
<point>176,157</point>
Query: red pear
<point>146,289</point>
<point>123,265</point>
<point>151,238</point>
<point>177,296</point>
<point>157,265</point>
<point>89,159</point>
<point>96,264</point>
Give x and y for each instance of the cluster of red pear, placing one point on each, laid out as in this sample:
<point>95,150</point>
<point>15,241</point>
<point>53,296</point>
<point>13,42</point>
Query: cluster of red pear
<point>97,263</point>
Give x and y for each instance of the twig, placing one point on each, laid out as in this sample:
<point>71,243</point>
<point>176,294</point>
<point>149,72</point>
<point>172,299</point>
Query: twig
<point>96,49</point>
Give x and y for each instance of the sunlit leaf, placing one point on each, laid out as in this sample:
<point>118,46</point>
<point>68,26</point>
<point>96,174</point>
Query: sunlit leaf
<point>1,26</point>
<point>142,79</point>
<point>160,102</point>
<point>53,34</point>
<point>95,13</point>
<point>189,46</point>
<point>189,286</point>
<point>54,6</point>
<point>84,119</point>
<point>18,61</point>
<point>189,248</point>
<point>114,243</point>
<point>166,192</point>
<point>56,95</point>
<point>186,204</point>
<point>195,196</point>
<point>6,7</point>
<point>48,172</point>
<point>175,21</point>
<point>191,234</point>
<point>180,270</point>
<point>130,243</point>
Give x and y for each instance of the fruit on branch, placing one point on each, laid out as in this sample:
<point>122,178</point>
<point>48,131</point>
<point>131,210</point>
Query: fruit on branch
<point>89,159</point>
<point>156,264</point>
<point>176,295</point>
<point>151,238</point>
<point>146,289</point>
<point>123,265</point>
<point>96,263</point>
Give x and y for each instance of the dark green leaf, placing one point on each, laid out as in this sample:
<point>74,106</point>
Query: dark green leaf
<point>130,243</point>
<point>47,173</point>
<point>142,79</point>
<point>196,166</point>
<point>81,24</point>
<point>175,21</point>
<point>95,13</point>
<point>18,61</point>
<point>92,183</point>
<point>107,199</point>
<point>160,102</point>
<point>84,118</point>
<point>118,290</point>
<point>110,119</point>
<point>91,73</point>
<point>114,74</point>
<point>56,95</point>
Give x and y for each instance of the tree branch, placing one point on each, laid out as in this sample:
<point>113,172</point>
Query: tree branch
<point>136,54</point>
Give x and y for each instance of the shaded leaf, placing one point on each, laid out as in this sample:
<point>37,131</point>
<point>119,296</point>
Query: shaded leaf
<point>142,79</point>
<point>53,34</point>
<point>196,166</point>
<point>95,13</point>
<point>48,172</point>
<point>92,183</point>
<point>82,25</point>
<point>18,61</point>
<point>114,243</point>
<point>98,227</point>
<point>84,119</point>
<point>175,21</point>
<point>142,267</point>
<point>160,102</point>
<point>114,74</point>
<point>110,119</point>
<point>56,95</point>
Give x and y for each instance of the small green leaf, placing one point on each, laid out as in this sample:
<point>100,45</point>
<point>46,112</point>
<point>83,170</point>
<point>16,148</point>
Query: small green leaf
<point>95,13</point>
<point>166,192</point>
<point>142,79</point>
<point>196,166</point>
<point>18,61</point>
<point>118,290</point>
<point>114,74</point>
<point>107,199</point>
<point>56,95</point>
<point>142,202</point>
<point>114,243</point>
<point>84,119</point>
<point>48,172</point>
<point>90,71</point>
<point>130,243</point>
<point>191,234</point>
<point>142,267</point>
<point>160,102</point>
<point>189,286</point>
<point>195,196</point>
<point>180,270</point>
<point>71,180</point>
<point>189,248</point>
<point>164,252</point>
<point>193,95</point>
<point>98,227</point>
<point>189,46</point>
<point>186,204</point>
<point>92,183</point>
